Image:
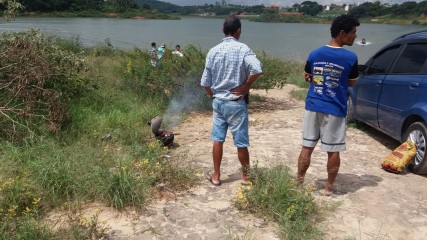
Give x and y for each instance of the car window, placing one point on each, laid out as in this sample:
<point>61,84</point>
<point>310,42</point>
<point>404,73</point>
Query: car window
<point>382,61</point>
<point>412,59</point>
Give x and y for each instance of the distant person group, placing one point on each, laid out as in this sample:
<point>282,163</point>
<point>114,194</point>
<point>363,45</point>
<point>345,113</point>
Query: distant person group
<point>157,54</point>
<point>232,67</point>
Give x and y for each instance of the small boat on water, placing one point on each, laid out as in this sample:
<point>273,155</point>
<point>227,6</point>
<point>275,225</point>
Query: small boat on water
<point>363,42</point>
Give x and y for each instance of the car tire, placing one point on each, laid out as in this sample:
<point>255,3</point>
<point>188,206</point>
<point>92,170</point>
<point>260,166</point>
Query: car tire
<point>417,133</point>
<point>350,111</point>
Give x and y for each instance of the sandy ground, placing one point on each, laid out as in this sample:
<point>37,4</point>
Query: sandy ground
<point>370,202</point>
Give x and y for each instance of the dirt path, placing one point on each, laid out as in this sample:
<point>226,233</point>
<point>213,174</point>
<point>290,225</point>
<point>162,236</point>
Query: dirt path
<point>371,203</point>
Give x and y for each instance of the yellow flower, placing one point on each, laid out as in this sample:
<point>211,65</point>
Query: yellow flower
<point>12,211</point>
<point>129,67</point>
<point>27,211</point>
<point>241,198</point>
<point>291,210</point>
<point>36,201</point>
<point>83,220</point>
<point>158,166</point>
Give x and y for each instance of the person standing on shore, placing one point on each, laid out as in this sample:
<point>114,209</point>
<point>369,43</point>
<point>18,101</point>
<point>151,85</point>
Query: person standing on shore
<point>178,51</point>
<point>330,70</point>
<point>230,70</point>
<point>153,54</point>
<point>161,51</point>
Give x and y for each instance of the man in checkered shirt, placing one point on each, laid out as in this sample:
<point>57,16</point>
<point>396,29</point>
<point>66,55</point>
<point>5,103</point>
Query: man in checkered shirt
<point>230,70</point>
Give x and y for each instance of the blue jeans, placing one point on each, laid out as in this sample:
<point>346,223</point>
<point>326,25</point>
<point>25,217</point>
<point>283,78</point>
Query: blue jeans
<point>231,115</point>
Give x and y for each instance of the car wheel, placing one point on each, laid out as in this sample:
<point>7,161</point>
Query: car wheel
<point>417,133</point>
<point>350,111</point>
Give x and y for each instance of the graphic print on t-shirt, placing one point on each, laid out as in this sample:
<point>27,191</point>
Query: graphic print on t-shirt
<point>326,74</point>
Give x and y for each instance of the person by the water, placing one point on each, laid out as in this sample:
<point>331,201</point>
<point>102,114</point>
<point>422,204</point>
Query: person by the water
<point>230,70</point>
<point>330,69</point>
<point>153,54</point>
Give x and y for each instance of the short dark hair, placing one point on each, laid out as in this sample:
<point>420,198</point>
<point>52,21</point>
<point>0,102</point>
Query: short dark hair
<point>177,46</point>
<point>231,24</point>
<point>153,44</point>
<point>344,23</point>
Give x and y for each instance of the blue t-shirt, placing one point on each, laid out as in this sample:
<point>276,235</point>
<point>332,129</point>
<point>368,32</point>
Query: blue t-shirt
<point>331,69</point>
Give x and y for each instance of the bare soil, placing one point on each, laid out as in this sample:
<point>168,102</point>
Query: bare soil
<point>370,202</point>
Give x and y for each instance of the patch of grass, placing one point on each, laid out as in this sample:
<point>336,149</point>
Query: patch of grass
<point>299,94</point>
<point>25,228</point>
<point>275,196</point>
<point>258,98</point>
<point>296,75</point>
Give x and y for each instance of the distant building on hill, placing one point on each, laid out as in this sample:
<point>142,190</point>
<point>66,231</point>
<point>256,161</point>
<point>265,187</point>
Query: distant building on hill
<point>222,3</point>
<point>344,7</point>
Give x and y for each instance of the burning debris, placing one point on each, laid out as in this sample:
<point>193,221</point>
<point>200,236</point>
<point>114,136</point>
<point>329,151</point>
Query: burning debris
<point>164,136</point>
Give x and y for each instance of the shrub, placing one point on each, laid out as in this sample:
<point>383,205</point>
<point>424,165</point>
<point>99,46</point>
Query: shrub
<point>38,79</point>
<point>276,196</point>
<point>275,73</point>
<point>12,7</point>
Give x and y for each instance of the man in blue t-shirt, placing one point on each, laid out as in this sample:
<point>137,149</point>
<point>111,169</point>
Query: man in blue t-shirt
<point>330,70</point>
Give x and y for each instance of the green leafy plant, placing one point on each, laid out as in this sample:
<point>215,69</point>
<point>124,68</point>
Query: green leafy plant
<point>276,196</point>
<point>12,8</point>
<point>37,81</point>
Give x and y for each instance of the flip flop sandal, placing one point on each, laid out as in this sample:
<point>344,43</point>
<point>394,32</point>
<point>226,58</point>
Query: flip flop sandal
<point>210,179</point>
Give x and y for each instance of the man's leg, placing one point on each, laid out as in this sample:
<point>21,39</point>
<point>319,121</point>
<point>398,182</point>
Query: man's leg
<point>217,151</point>
<point>243,155</point>
<point>303,162</point>
<point>332,166</point>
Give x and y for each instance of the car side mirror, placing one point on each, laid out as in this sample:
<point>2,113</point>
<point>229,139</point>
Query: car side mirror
<point>362,69</point>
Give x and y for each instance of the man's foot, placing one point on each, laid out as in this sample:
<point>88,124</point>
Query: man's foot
<point>211,180</point>
<point>327,191</point>
<point>300,181</point>
<point>247,183</point>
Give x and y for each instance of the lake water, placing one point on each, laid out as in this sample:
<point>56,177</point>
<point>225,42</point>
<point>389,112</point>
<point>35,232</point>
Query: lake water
<point>283,40</point>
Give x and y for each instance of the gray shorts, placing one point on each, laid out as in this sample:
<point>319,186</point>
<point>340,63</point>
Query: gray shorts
<point>330,129</point>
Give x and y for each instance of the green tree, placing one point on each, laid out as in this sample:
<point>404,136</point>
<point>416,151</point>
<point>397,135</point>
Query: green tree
<point>9,10</point>
<point>122,5</point>
<point>270,15</point>
<point>311,8</point>
<point>256,9</point>
<point>82,5</point>
<point>422,7</point>
<point>406,8</point>
<point>369,9</point>
<point>46,5</point>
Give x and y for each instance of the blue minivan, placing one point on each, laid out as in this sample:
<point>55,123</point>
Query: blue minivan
<point>391,93</point>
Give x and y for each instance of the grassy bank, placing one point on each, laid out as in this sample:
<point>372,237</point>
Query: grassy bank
<point>388,19</point>
<point>327,18</point>
<point>104,152</point>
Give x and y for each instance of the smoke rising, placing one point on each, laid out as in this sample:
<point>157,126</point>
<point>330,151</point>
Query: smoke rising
<point>187,97</point>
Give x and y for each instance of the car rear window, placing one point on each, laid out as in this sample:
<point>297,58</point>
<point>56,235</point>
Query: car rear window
<point>412,60</point>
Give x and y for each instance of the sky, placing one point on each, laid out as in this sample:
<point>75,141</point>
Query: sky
<point>275,2</point>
